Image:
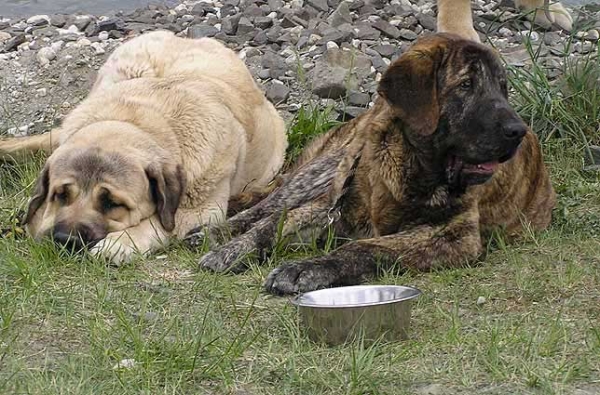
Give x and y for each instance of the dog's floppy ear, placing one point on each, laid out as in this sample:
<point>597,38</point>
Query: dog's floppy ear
<point>409,85</point>
<point>167,186</point>
<point>39,194</point>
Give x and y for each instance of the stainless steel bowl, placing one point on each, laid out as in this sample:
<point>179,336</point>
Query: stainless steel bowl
<point>338,315</point>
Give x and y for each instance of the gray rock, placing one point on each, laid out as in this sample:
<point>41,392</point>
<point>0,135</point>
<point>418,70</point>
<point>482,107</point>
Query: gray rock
<point>329,82</point>
<point>229,25</point>
<point>14,42</point>
<point>338,71</point>
<point>82,22</point>
<point>518,58</point>
<point>592,35</point>
<point>320,5</point>
<point>275,64</point>
<point>341,15</point>
<point>277,92</point>
<point>358,98</point>
<point>408,34</point>
<point>260,38</point>
<point>58,20</point>
<point>275,5</point>
<point>336,36</point>
<point>228,10</point>
<point>427,21</point>
<point>356,5</point>
<point>198,9</point>
<point>368,33</point>
<point>244,26</point>
<point>378,62</point>
<point>386,28</point>
<point>253,11</point>
<point>552,38</point>
<point>49,31</point>
<point>263,22</point>
<point>350,112</point>
<point>583,47</point>
<point>199,31</point>
<point>385,50</point>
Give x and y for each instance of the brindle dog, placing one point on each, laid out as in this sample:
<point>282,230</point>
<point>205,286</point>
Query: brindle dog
<point>439,160</point>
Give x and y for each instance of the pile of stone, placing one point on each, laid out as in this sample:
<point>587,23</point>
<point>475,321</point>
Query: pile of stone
<point>299,50</point>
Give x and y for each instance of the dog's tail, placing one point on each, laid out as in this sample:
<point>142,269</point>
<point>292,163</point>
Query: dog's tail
<point>19,148</point>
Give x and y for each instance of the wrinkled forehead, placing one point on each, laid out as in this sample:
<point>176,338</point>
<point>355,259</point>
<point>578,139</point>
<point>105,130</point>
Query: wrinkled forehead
<point>475,58</point>
<point>91,166</point>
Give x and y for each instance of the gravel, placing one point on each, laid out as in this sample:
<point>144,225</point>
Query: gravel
<point>299,51</point>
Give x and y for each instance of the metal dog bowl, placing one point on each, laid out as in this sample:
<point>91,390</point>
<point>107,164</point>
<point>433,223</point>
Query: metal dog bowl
<point>338,315</point>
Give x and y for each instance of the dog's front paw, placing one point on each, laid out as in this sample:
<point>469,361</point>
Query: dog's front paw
<point>203,235</point>
<point>114,250</point>
<point>230,257</point>
<point>298,277</point>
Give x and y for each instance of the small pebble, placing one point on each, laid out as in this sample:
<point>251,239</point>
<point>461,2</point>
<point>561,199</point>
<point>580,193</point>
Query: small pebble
<point>481,300</point>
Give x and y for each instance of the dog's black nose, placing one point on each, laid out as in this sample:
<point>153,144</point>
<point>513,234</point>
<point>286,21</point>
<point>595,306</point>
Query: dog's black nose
<point>514,130</point>
<point>72,242</point>
<point>73,239</point>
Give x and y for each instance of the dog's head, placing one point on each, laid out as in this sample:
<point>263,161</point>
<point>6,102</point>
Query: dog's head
<point>451,93</point>
<point>85,192</point>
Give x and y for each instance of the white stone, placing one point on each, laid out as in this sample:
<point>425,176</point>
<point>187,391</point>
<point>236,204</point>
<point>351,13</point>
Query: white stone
<point>291,60</point>
<point>98,48</point>
<point>46,55</point>
<point>83,42</point>
<point>4,36</point>
<point>38,19</point>
<point>42,92</point>
<point>592,35</point>
<point>20,25</point>
<point>332,45</point>
<point>481,300</point>
<point>57,45</point>
<point>181,8</point>
<point>125,364</point>
<point>272,15</point>
<point>103,36</point>
<point>313,38</point>
<point>506,32</point>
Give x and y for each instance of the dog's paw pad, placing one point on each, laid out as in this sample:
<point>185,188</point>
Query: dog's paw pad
<point>296,277</point>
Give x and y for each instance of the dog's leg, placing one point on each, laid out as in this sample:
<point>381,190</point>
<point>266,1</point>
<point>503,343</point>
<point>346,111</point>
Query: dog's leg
<point>454,16</point>
<point>19,148</point>
<point>422,248</point>
<point>304,185</point>
<point>120,247</point>
<point>544,14</point>
<point>263,236</point>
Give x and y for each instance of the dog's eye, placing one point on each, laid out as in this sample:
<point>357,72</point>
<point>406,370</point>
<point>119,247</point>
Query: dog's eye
<point>108,204</point>
<point>466,84</point>
<point>60,196</point>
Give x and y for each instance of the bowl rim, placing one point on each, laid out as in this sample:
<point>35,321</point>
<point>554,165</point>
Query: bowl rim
<point>296,299</point>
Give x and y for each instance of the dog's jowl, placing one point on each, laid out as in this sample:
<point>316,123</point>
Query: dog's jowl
<point>417,180</point>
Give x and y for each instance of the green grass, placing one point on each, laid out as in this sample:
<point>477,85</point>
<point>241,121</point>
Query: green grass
<point>67,322</point>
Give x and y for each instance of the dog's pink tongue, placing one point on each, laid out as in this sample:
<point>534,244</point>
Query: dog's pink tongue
<point>489,166</point>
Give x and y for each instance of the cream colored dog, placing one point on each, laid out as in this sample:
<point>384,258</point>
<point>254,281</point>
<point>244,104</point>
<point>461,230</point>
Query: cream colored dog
<point>454,16</point>
<point>171,129</point>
